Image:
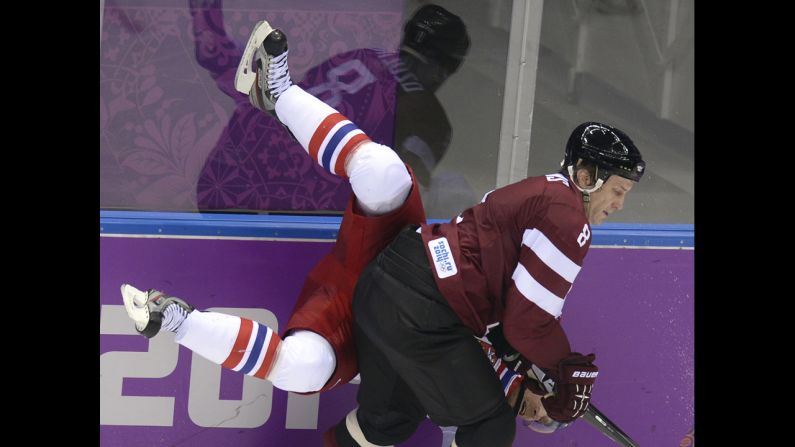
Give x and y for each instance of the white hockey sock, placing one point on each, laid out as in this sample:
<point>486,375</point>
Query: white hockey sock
<point>378,177</point>
<point>235,343</point>
<point>324,133</point>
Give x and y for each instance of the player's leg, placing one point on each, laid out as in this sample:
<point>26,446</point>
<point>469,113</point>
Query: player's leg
<point>302,362</point>
<point>388,412</point>
<point>378,177</point>
<point>399,310</point>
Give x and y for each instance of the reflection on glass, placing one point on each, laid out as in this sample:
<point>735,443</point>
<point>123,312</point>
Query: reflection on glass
<point>169,141</point>
<point>257,165</point>
<point>434,44</point>
<point>177,136</point>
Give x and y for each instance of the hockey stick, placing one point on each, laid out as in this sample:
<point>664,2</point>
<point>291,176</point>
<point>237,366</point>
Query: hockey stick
<point>595,417</point>
<point>592,414</point>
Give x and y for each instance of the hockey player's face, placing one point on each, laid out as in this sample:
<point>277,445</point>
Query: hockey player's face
<point>608,199</point>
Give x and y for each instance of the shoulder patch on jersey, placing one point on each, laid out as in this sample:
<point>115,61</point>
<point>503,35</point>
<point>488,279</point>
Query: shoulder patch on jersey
<point>442,257</point>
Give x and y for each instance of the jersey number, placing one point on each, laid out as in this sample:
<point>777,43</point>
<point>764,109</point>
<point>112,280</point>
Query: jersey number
<point>557,178</point>
<point>336,87</point>
<point>584,236</point>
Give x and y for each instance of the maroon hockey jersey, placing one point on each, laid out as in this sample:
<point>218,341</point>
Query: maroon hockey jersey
<point>512,259</point>
<point>324,305</point>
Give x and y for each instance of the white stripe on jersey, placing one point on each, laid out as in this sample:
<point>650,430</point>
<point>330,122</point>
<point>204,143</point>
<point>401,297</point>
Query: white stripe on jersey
<point>552,257</point>
<point>508,385</point>
<point>536,293</point>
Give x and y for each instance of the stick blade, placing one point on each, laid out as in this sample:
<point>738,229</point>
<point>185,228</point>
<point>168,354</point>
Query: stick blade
<point>595,417</point>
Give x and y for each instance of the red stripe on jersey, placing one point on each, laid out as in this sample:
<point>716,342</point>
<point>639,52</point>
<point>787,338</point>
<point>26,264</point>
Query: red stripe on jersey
<point>543,274</point>
<point>241,343</point>
<point>270,355</point>
<point>339,167</point>
<point>514,384</point>
<point>322,131</point>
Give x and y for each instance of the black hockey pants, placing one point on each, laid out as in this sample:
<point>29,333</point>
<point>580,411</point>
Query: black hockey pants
<point>417,358</point>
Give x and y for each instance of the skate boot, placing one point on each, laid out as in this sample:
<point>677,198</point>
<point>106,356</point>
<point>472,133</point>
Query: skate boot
<point>152,310</point>
<point>270,75</point>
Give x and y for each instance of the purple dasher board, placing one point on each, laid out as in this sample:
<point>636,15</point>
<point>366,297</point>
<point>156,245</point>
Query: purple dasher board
<point>632,307</point>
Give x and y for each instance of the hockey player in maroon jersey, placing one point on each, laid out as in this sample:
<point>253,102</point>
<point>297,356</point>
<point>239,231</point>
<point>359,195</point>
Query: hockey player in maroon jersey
<point>508,261</point>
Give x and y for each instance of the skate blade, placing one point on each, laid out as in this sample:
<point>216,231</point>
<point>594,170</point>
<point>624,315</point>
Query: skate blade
<point>136,310</point>
<point>244,78</point>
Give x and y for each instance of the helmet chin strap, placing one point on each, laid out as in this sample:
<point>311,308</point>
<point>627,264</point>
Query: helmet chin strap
<point>585,192</point>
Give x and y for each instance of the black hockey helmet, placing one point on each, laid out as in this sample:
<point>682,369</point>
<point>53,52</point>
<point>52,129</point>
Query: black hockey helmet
<point>610,149</point>
<point>437,34</point>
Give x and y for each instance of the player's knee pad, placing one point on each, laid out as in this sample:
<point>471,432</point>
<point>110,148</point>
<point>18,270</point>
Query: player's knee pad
<point>379,178</point>
<point>304,364</point>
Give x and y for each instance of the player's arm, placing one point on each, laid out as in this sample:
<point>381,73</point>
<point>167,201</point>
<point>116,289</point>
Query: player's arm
<point>547,400</point>
<point>550,258</point>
